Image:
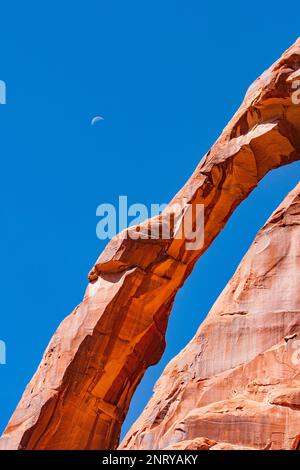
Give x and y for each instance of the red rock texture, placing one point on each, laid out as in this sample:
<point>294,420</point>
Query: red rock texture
<point>80,394</point>
<point>236,385</point>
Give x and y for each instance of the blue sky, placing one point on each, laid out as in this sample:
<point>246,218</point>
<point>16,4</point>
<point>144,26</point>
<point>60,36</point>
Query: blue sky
<point>166,76</point>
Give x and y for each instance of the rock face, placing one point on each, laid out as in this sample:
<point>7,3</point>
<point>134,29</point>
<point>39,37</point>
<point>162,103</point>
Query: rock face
<point>80,394</point>
<point>237,383</point>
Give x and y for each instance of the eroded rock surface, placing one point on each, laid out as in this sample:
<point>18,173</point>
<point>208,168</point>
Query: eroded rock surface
<point>236,385</point>
<point>80,394</point>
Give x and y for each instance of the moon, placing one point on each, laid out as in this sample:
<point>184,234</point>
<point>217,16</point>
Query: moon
<point>96,119</point>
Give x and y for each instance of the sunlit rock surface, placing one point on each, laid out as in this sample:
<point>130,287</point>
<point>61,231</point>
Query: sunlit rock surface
<point>80,394</point>
<point>236,385</point>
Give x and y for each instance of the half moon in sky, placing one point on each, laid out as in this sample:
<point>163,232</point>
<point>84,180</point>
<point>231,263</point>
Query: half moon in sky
<point>96,119</point>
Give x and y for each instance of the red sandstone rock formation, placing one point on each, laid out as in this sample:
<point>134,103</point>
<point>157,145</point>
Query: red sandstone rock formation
<point>237,383</point>
<point>80,394</point>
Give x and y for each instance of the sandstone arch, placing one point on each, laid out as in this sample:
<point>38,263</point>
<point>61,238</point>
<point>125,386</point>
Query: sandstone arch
<point>80,394</point>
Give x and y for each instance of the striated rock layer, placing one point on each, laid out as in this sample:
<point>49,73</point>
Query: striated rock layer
<point>80,394</point>
<point>236,385</point>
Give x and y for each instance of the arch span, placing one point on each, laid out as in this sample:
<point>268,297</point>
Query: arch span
<point>80,394</point>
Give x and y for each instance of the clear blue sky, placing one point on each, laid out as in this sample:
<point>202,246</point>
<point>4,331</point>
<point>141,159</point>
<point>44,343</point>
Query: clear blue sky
<point>166,76</point>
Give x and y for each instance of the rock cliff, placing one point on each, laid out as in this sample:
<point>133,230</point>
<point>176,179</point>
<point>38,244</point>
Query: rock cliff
<point>80,394</point>
<point>236,385</point>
